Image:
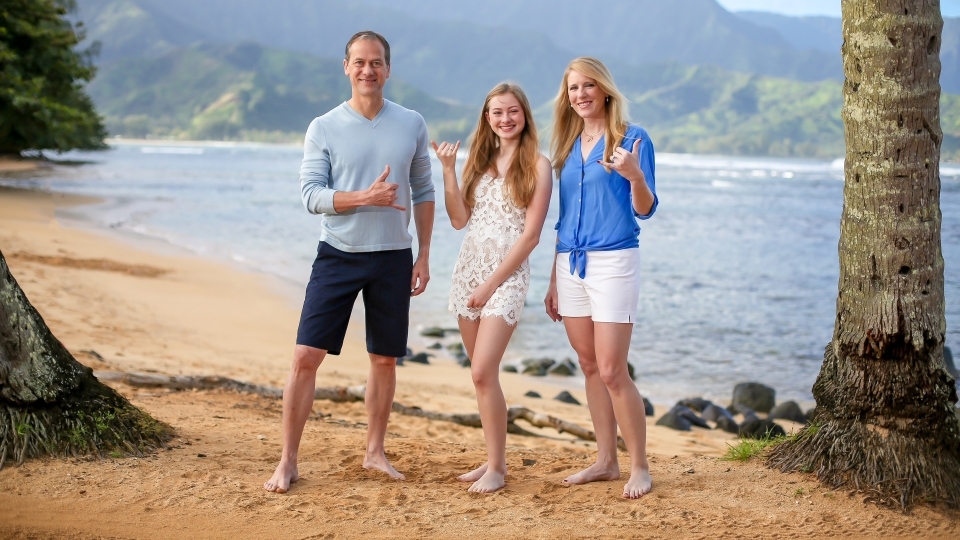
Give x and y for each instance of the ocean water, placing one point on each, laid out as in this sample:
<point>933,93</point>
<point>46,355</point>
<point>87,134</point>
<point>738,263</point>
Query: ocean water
<point>739,264</point>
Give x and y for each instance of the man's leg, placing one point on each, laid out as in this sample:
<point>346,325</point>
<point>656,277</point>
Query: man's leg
<point>327,304</point>
<point>297,406</point>
<point>381,384</point>
<point>386,302</point>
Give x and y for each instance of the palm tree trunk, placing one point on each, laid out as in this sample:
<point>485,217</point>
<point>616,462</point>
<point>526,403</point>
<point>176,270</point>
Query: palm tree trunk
<point>884,421</point>
<point>50,404</point>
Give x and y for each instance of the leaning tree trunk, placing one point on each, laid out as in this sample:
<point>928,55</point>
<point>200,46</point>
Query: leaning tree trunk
<point>884,421</point>
<point>50,404</point>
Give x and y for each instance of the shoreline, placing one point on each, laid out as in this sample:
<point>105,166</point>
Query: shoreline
<point>195,316</point>
<point>184,267</point>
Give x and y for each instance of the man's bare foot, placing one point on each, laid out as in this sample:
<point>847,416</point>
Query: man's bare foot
<point>595,473</point>
<point>488,483</point>
<point>473,475</point>
<point>639,485</point>
<point>379,462</point>
<point>282,478</point>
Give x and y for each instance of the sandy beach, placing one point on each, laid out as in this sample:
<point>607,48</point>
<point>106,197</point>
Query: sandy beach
<point>144,310</point>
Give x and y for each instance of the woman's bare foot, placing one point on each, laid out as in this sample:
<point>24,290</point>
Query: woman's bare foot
<point>595,473</point>
<point>473,475</point>
<point>282,478</point>
<point>639,485</point>
<point>488,483</point>
<point>379,462</point>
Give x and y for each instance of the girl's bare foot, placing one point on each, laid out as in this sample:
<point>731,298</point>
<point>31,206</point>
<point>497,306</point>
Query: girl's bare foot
<point>379,462</point>
<point>639,484</point>
<point>595,473</point>
<point>282,478</point>
<point>473,475</point>
<point>488,483</point>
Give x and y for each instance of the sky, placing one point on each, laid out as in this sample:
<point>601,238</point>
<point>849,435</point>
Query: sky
<point>949,8</point>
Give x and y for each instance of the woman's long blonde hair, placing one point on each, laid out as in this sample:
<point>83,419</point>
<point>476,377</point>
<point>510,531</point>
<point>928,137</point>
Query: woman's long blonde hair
<point>568,124</point>
<point>521,177</point>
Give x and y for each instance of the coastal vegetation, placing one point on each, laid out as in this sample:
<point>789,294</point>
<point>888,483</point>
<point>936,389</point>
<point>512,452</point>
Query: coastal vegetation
<point>43,105</point>
<point>885,416</point>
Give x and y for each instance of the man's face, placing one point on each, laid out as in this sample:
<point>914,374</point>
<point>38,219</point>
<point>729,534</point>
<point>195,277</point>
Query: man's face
<point>367,68</point>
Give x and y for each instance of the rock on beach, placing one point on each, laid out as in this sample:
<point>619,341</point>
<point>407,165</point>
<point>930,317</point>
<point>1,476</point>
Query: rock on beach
<point>674,421</point>
<point>696,403</point>
<point>433,331</point>
<point>761,429</point>
<point>567,397</point>
<point>757,396</point>
<point>788,410</point>
<point>712,413</point>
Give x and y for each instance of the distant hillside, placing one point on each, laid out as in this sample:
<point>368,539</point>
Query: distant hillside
<point>131,29</point>
<point>711,111</point>
<point>825,34</point>
<point>247,91</point>
<point>708,110</point>
<point>642,32</point>
<point>458,50</point>
<point>241,91</point>
<point>819,33</point>
<point>459,61</point>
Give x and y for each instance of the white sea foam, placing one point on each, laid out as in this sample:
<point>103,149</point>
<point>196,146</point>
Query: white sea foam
<point>171,150</point>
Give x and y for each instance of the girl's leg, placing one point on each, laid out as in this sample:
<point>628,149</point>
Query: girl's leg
<point>468,333</point>
<point>489,344</point>
<point>581,335</point>
<point>612,342</point>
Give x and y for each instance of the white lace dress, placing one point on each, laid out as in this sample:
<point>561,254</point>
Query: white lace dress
<point>494,227</point>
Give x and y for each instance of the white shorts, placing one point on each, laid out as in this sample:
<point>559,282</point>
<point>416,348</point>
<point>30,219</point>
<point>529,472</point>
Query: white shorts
<point>609,292</point>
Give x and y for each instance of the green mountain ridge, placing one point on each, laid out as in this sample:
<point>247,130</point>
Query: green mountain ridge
<point>250,92</point>
<point>238,92</point>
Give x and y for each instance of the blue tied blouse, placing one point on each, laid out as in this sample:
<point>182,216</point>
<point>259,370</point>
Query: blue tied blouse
<point>596,208</point>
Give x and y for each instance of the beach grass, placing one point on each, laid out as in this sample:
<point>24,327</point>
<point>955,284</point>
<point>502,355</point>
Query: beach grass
<point>747,449</point>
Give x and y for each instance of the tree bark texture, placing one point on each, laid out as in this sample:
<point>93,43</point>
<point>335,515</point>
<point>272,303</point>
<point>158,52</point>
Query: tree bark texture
<point>885,402</point>
<point>50,404</point>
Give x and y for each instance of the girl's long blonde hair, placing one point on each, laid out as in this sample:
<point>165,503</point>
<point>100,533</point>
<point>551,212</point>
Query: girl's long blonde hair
<point>521,177</point>
<point>569,125</point>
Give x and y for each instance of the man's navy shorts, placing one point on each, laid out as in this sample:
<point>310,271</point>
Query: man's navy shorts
<point>384,279</point>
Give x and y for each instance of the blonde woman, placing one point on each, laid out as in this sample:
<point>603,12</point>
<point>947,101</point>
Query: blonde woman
<point>606,169</point>
<point>502,202</point>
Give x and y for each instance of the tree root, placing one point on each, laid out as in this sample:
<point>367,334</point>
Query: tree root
<point>890,467</point>
<point>353,393</point>
<point>86,424</point>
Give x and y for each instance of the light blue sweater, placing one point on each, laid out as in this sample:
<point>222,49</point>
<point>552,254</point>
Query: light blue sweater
<point>344,151</point>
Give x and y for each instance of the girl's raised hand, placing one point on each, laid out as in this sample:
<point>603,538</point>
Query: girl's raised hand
<point>446,153</point>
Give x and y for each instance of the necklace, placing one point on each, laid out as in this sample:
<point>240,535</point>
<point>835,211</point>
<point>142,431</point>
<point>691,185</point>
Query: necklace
<point>591,137</point>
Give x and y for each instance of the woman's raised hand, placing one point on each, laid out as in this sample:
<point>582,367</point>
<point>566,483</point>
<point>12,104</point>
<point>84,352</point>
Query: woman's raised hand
<point>446,153</point>
<point>626,163</point>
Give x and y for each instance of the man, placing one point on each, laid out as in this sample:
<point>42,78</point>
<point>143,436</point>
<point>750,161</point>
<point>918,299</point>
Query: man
<point>364,244</point>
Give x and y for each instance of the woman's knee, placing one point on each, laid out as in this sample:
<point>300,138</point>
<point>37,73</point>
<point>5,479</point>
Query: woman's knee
<point>484,377</point>
<point>588,366</point>
<point>614,374</point>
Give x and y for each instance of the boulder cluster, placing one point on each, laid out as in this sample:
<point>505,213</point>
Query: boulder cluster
<point>741,417</point>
